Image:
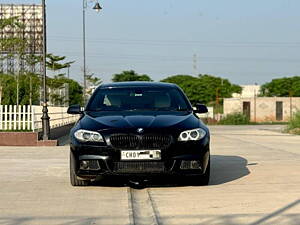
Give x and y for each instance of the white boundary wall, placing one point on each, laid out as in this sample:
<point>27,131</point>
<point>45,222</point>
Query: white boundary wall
<point>26,118</point>
<point>263,109</point>
<point>14,117</point>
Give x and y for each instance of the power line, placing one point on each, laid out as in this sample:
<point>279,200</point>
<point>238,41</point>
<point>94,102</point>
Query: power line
<point>195,64</point>
<point>204,59</point>
<point>176,42</point>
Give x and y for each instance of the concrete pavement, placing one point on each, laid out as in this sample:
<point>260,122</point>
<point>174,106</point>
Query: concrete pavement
<point>255,180</point>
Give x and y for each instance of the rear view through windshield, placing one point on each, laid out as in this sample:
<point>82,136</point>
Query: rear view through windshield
<point>119,99</point>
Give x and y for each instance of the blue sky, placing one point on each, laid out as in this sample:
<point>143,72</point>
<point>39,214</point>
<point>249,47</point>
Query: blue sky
<point>246,42</point>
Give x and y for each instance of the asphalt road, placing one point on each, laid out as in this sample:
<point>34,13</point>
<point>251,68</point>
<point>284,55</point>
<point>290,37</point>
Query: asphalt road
<point>255,180</point>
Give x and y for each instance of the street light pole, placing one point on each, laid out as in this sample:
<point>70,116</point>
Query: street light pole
<point>45,117</point>
<point>84,54</point>
<point>97,7</point>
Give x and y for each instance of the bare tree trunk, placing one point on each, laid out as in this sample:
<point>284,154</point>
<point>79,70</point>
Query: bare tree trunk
<point>30,94</point>
<point>0,95</point>
<point>18,90</point>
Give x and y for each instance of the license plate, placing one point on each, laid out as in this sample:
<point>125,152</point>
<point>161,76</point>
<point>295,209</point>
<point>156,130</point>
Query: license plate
<point>141,155</point>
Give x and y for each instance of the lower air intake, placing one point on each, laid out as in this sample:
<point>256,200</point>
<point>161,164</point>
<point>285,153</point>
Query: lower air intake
<point>139,167</point>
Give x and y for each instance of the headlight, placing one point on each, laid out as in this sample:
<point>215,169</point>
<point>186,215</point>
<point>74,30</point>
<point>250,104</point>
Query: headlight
<point>192,135</point>
<point>88,136</point>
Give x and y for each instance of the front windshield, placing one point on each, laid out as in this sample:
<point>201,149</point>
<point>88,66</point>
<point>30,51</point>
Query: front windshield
<point>138,99</point>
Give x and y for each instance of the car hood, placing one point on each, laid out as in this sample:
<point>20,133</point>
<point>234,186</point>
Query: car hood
<point>180,120</point>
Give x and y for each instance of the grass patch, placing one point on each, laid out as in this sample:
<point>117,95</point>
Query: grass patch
<point>235,119</point>
<point>269,123</point>
<point>294,124</point>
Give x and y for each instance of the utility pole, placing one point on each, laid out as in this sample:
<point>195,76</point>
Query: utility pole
<point>255,106</point>
<point>84,53</point>
<point>291,104</point>
<point>195,64</point>
<point>69,72</point>
<point>217,96</point>
<point>97,7</point>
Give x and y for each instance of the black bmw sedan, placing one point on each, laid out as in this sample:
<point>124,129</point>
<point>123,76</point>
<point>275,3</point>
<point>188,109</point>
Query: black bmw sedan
<point>139,129</point>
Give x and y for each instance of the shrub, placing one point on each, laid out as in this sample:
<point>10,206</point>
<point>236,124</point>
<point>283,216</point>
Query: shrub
<point>294,124</point>
<point>235,119</point>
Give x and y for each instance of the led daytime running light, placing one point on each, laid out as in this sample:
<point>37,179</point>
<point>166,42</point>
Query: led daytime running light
<point>88,136</point>
<point>192,135</point>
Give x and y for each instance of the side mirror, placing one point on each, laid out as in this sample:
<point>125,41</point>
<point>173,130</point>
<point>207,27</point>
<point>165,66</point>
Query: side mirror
<point>201,109</point>
<point>74,109</point>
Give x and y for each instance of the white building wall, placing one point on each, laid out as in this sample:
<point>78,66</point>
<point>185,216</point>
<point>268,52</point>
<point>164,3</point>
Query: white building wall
<point>263,109</point>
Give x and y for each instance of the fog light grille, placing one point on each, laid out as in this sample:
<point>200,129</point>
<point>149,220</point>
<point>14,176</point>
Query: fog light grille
<point>190,165</point>
<point>89,165</point>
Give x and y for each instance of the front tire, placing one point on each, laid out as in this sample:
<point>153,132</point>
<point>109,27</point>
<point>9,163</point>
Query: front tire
<point>73,177</point>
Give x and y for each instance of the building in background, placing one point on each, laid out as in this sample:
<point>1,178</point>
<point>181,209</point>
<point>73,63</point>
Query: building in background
<point>22,39</point>
<point>263,109</point>
<point>59,96</point>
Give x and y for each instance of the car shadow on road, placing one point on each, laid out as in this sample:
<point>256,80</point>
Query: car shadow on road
<point>224,169</point>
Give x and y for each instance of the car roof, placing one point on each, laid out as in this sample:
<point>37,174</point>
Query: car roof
<point>138,84</point>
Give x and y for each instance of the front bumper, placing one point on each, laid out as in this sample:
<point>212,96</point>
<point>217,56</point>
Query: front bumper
<point>181,158</point>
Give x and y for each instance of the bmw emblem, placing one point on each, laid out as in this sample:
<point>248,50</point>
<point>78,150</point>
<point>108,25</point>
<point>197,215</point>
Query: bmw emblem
<point>140,130</point>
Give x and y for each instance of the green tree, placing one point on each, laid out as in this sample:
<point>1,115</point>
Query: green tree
<point>11,22</point>
<point>130,75</point>
<point>190,85</point>
<point>282,87</point>
<point>92,81</point>
<point>15,45</point>
<point>8,89</point>
<point>29,89</point>
<point>54,63</point>
<point>29,86</point>
<point>24,86</point>
<point>75,90</point>
<point>217,88</point>
<point>205,89</point>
